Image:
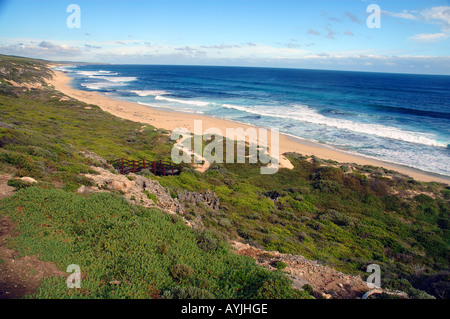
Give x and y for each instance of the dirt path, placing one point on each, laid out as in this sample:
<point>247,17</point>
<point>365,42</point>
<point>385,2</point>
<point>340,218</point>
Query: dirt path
<point>20,276</point>
<point>5,190</point>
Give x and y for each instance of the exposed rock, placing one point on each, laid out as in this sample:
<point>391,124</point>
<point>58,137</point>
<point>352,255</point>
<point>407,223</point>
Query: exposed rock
<point>139,189</point>
<point>119,186</point>
<point>82,189</point>
<point>28,180</point>
<point>135,188</point>
<point>384,291</point>
<point>90,189</point>
<point>325,281</point>
<point>298,282</point>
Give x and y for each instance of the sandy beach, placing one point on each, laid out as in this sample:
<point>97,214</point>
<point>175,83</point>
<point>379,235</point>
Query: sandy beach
<point>171,120</point>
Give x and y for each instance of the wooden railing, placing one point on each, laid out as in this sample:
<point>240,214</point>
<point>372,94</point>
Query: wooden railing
<point>160,168</point>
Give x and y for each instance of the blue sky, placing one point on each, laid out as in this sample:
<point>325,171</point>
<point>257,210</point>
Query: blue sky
<point>414,36</point>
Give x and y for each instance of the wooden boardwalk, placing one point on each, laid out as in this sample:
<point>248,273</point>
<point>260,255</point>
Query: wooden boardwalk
<point>160,168</point>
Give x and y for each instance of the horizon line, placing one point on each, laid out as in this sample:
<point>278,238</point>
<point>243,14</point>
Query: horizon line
<point>225,66</point>
<point>242,66</point>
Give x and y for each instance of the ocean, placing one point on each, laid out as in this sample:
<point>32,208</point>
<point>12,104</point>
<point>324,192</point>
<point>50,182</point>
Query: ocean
<point>398,118</point>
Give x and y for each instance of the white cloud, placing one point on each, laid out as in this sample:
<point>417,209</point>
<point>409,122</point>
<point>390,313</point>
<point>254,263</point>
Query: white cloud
<point>435,15</point>
<point>430,37</point>
<point>244,54</point>
<point>240,50</point>
<point>276,57</point>
<point>402,15</point>
<point>439,15</point>
<point>43,49</point>
<point>91,46</point>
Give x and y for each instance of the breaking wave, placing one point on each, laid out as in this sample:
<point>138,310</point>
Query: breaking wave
<point>305,114</point>
<point>188,102</point>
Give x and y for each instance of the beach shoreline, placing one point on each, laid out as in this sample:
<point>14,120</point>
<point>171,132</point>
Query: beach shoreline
<point>171,120</point>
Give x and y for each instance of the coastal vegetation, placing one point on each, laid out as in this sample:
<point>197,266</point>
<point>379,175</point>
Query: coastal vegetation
<point>345,215</point>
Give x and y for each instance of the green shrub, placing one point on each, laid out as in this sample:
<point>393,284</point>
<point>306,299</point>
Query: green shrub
<point>151,196</point>
<point>190,292</point>
<point>392,203</point>
<point>446,193</point>
<point>207,242</point>
<point>225,222</point>
<point>302,236</point>
<point>279,265</point>
<point>173,193</point>
<point>337,218</point>
<point>18,184</point>
<point>277,287</point>
<point>327,186</point>
<point>71,186</point>
<point>345,168</point>
<point>27,166</point>
<point>308,289</point>
<point>419,294</point>
<point>145,172</point>
<point>180,272</point>
<point>254,216</point>
<point>113,240</point>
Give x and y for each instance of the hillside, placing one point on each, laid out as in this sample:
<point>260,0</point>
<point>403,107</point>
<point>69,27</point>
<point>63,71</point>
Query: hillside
<point>342,215</point>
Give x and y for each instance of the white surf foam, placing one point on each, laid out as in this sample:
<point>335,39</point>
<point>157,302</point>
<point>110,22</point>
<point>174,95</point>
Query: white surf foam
<point>115,79</point>
<point>188,102</point>
<point>101,85</point>
<point>96,73</point>
<point>172,108</point>
<point>149,92</point>
<point>305,114</point>
<point>65,68</point>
